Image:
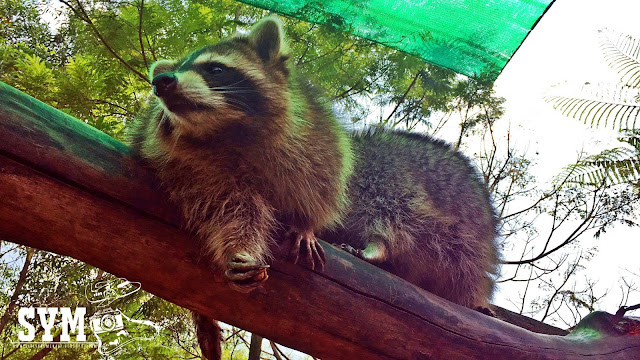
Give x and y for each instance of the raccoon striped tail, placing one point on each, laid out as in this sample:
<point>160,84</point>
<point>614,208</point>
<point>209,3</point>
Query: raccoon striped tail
<point>209,336</point>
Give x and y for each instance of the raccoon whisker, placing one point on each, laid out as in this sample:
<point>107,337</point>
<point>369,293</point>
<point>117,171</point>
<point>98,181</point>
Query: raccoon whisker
<point>217,88</point>
<point>235,91</point>
<point>163,118</point>
<point>241,108</point>
<point>197,100</point>
<point>240,105</point>
<point>225,88</point>
<point>238,102</point>
<point>175,139</point>
<point>237,82</point>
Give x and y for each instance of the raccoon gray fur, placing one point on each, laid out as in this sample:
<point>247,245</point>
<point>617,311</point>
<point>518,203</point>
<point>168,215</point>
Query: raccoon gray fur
<point>420,210</point>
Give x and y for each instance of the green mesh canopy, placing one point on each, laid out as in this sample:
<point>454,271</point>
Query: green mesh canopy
<point>471,37</point>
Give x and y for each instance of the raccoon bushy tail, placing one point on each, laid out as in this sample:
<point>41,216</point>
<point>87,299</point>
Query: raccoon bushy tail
<point>209,336</point>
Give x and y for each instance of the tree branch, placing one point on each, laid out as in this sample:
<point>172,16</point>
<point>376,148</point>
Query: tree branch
<point>140,13</point>
<point>17,291</point>
<point>70,189</point>
<point>82,14</point>
<point>579,229</point>
<point>255,348</point>
<point>404,96</point>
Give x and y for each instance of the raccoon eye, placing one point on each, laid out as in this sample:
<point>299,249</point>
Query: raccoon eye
<point>215,69</point>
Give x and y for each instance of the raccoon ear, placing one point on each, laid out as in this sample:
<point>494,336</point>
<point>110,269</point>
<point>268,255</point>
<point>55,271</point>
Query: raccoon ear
<point>267,37</point>
<point>159,67</point>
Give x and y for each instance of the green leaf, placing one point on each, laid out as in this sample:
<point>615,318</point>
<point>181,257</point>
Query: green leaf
<point>598,105</point>
<point>621,54</point>
<point>608,168</point>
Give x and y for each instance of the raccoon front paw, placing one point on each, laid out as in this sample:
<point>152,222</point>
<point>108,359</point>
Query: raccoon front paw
<point>305,243</point>
<point>244,273</point>
<point>351,250</point>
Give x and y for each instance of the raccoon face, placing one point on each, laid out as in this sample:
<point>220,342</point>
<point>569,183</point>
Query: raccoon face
<point>240,82</point>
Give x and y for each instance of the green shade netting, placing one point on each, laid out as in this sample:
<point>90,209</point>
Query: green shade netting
<point>469,37</point>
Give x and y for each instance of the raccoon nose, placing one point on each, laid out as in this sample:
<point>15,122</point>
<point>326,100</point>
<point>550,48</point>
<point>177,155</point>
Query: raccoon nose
<point>164,84</point>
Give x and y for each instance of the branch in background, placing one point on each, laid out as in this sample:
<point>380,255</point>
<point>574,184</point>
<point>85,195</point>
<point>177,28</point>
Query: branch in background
<point>277,353</point>
<point>416,105</point>
<point>104,102</point>
<point>592,212</point>
<point>346,92</point>
<point>572,269</point>
<point>140,13</point>
<point>150,47</point>
<point>463,125</point>
<point>404,96</point>
<point>579,230</point>
<point>18,289</point>
<point>255,348</point>
<point>44,352</point>
<point>545,196</point>
<point>333,51</point>
<point>304,53</point>
<point>624,309</point>
<point>82,15</point>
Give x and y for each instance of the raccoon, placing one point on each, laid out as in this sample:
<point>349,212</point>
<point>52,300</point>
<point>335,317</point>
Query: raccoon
<point>419,209</point>
<point>247,149</point>
<point>250,153</point>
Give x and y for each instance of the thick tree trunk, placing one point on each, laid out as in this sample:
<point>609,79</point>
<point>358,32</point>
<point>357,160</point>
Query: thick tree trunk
<point>69,189</point>
<point>255,347</point>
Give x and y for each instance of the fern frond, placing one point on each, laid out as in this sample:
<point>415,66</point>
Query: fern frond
<point>610,167</point>
<point>631,137</point>
<point>597,112</point>
<point>622,54</point>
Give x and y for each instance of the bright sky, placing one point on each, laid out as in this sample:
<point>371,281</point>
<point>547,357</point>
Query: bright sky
<point>564,46</point>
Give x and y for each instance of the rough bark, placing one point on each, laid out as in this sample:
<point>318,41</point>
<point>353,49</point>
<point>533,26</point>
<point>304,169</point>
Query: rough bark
<point>69,189</point>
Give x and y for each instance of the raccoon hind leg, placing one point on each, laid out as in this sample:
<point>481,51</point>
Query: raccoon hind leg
<point>459,276</point>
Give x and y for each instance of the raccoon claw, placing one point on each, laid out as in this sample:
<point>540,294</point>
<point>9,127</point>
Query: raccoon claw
<point>314,253</point>
<point>244,273</point>
<point>351,250</point>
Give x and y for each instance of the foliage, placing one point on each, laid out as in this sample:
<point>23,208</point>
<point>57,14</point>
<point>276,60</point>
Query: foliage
<point>613,166</point>
<point>600,105</point>
<point>94,64</point>
<point>57,281</point>
<point>621,54</point>
<point>617,106</point>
